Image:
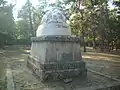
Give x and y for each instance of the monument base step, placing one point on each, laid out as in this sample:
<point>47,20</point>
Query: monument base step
<point>58,72</point>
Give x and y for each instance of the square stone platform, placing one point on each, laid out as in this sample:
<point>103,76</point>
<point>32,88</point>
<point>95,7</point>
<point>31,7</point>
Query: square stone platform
<point>56,57</point>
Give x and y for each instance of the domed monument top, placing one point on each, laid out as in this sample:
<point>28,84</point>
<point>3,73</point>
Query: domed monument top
<point>53,23</point>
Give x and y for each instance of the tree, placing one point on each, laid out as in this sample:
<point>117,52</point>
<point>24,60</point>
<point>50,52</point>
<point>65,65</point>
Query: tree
<point>114,34</point>
<point>97,10</point>
<point>37,17</point>
<point>26,14</point>
<point>32,16</point>
<point>93,22</point>
<point>7,26</point>
<point>21,27</point>
<point>80,25</point>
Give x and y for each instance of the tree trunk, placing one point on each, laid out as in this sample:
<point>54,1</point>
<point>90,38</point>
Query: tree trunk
<point>94,42</point>
<point>102,42</point>
<point>31,25</point>
<point>84,45</point>
<point>30,19</point>
<point>93,28</point>
<point>102,28</point>
<point>112,47</point>
<point>83,33</point>
<point>116,45</point>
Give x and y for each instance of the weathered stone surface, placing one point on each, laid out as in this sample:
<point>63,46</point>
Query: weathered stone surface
<point>54,52</point>
<point>67,80</point>
<point>57,59</point>
<point>53,23</point>
<point>57,65</point>
<point>61,51</point>
<point>57,38</point>
<point>58,70</point>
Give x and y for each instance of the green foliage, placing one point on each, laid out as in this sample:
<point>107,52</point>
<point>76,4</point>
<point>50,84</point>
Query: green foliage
<point>95,23</point>
<point>22,29</point>
<point>26,14</point>
<point>79,22</point>
<point>7,25</point>
<point>37,17</point>
<point>32,17</point>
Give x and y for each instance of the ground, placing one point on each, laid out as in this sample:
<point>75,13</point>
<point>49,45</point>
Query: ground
<point>104,62</point>
<point>14,58</point>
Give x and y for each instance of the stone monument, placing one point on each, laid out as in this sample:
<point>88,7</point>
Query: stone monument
<point>54,52</point>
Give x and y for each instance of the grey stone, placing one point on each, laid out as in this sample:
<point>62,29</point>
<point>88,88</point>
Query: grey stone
<point>55,53</point>
<point>66,57</point>
<point>68,80</point>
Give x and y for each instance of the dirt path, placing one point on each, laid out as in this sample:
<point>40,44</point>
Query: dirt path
<point>24,80</point>
<point>2,71</point>
<point>107,62</point>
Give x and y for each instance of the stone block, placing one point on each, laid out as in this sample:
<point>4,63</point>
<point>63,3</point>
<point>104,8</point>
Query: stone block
<point>57,57</point>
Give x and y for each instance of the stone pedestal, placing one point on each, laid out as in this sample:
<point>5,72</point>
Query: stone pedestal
<point>56,57</point>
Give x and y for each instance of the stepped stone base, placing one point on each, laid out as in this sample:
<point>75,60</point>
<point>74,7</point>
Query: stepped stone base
<point>57,70</point>
<point>56,58</point>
